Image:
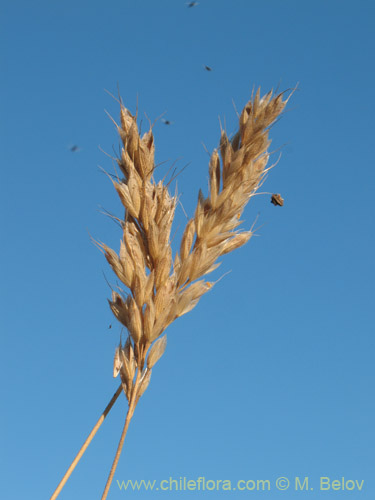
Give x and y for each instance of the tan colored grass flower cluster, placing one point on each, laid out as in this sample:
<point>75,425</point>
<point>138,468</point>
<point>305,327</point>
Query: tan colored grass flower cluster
<point>163,287</point>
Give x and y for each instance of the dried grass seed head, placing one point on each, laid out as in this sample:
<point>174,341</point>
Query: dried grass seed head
<point>159,291</point>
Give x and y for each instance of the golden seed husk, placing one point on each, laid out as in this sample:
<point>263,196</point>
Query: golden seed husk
<point>236,242</point>
<point>127,372</point>
<point>135,322</point>
<point>156,351</point>
<point>144,383</point>
<point>149,320</point>
<point>119,309</point>
<point>187,239</point>
<point>117,362</point>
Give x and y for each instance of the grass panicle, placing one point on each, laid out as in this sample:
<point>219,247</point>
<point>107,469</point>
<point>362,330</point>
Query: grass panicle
<point>161,286</point>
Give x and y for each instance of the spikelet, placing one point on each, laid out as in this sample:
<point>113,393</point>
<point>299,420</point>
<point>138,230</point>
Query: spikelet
<point>145,380</point>
<point>156,351</point>
<point>187,239</point>
<point>117,362</point>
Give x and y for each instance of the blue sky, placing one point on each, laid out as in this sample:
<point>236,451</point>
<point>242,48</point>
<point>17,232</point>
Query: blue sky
<point>272,374</point>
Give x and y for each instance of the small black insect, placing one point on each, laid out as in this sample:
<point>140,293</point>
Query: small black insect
<point>167,122</point>
<point>74,148</point>
<point>277,200</point>
<point>207,68</point>
<point>191,4</point>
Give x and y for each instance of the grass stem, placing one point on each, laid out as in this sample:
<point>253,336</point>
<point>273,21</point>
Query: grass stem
<point>86,444</point>
<point>129,415</point>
